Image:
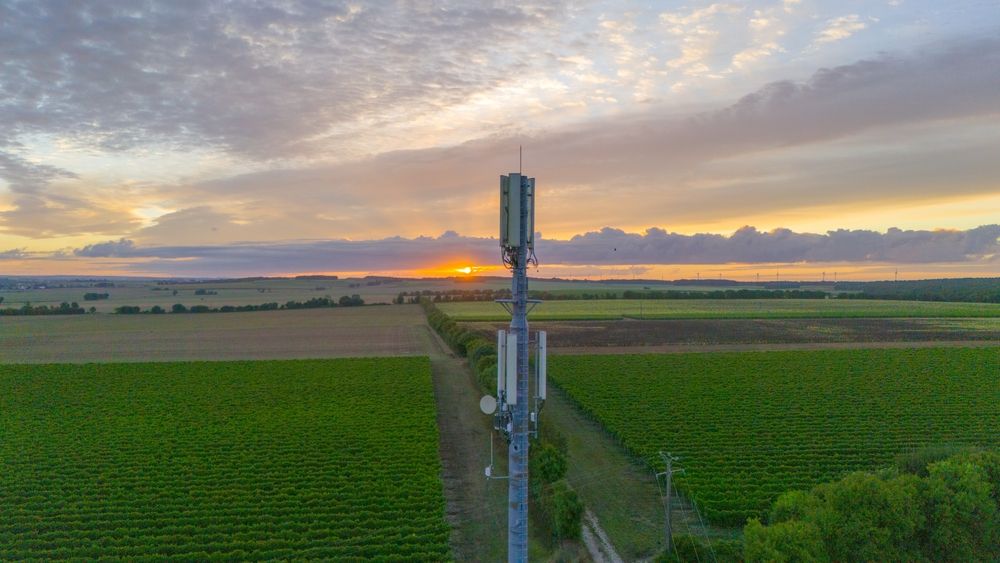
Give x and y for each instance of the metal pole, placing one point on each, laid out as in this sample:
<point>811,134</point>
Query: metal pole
<point>668,477</point>
<point>669,539</point>
<point>517,514</point>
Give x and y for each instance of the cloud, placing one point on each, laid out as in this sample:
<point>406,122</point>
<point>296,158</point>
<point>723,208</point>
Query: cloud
<point>840,28</point>
<point>748,245</point>
<point>605,247</point>
<point>107,249</point>
<point>277,84</point>
<point>698,31</point>
<point>891,128</point>
<point>258,82</point>
<point>14,254</point>
<point>262,79</point>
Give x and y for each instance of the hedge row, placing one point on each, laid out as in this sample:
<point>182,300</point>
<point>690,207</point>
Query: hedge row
<point>480,352</point>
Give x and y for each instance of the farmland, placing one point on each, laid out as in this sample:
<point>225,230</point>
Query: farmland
<point>145,293</point>
<point>332,459</point>
<point>397,330</point>
<point>723,309</point>
<point>751,425</point>
<point>693,334</point>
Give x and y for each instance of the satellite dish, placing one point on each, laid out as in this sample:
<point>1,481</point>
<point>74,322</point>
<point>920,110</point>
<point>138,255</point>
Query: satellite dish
<point>488,404</point>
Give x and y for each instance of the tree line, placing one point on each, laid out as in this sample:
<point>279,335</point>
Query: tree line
<point>179,308</point>
<point>973,290</point>
<point>28,309</point>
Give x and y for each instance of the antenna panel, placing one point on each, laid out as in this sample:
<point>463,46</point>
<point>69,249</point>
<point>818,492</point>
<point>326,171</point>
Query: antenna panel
<point>501,362</point>
<point>542,364</point>
<point>504,198</point>
<point>530,227</point>
<point>510,210</point>
<point>511,369</point>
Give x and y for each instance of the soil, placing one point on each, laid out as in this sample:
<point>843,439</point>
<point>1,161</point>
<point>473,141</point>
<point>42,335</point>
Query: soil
<point>682,348</point>
<point>656,333</point>
<point>398,330</point>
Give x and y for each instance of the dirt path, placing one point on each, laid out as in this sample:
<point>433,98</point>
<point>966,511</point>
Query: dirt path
<point>619,492</point>
<point>476,506</point>
<point>597,541</point>
<point>681,348</point>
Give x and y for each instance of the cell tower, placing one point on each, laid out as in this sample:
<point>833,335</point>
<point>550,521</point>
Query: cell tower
<point>518,403</point>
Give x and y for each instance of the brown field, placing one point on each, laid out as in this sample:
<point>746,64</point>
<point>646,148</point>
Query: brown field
<point>713,332</point>
<point>399,330</point>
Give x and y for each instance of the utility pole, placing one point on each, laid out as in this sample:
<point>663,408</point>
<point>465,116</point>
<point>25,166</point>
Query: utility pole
<point>668,477</point>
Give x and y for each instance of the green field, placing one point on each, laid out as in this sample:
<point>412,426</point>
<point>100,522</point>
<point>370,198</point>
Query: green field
<point>331,459</point>
<point>600,309</point>
<point>749,426</point>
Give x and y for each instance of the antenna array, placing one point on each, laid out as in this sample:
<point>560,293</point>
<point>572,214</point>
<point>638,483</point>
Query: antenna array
<point>519,401</point>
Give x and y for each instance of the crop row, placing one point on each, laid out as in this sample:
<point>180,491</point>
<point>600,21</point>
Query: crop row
<point>751,425</point>
<point>331,459</point>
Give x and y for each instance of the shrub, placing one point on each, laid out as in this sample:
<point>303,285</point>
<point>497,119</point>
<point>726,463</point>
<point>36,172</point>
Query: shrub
<point>952,513</point>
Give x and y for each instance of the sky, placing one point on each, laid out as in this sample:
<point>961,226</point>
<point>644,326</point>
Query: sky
<point>191,138</point>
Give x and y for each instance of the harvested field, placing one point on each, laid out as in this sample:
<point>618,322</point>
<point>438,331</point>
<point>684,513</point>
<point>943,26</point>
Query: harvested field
<point>398,330</point>
<point>698,332</point>
<point>610,309</point>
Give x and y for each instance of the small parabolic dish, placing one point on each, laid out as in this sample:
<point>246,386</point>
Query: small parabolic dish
<point>488,404</point>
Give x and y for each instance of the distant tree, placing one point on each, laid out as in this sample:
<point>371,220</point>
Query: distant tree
<point>157,310</point>
<point>200,309</point>
<point>352,301</point>
<point>178,308</point>
<point>127,310</point>
<point>95,296</point>
<point>93,309</point>
<point>175,292</point>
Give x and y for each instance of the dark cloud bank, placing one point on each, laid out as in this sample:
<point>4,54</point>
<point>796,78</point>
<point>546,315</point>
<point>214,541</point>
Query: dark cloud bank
<point>605,247</point>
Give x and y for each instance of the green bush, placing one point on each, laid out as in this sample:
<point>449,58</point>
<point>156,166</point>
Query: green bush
<point>562,509</point>
<point>916,462</point>
<point>785,541</point>
<point>547,463</point>
<point>950,513</point>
